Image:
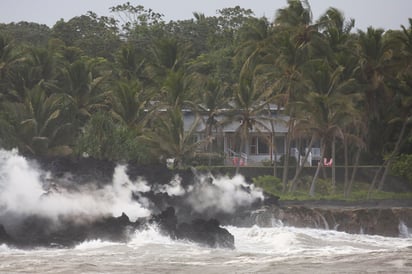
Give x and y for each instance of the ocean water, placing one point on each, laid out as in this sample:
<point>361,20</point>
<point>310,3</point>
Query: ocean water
<point>278,249</point>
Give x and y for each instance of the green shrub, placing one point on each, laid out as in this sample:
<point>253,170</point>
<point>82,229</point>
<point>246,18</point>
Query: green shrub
<point>303,183</point>
<point>104,138</point>
<point>324,187</point>
<point>269,184</point>
<point>403,166</point>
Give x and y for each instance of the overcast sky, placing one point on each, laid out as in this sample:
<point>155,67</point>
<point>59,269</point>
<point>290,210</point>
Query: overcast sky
<point>387,14</point>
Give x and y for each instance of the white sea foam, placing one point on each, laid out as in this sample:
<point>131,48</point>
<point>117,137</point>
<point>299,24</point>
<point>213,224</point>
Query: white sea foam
<point>4,248</point>
<point>93,244</point>
<point>149,235</point>
<point>291,241</point>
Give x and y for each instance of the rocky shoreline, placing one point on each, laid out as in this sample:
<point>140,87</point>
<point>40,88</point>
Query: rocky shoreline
<point>178,219</point>
<point>389,218</point>
<point>365,204</point>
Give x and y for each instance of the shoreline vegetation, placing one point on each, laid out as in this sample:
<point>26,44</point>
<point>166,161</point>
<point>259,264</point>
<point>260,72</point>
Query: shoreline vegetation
<point>117,89</point>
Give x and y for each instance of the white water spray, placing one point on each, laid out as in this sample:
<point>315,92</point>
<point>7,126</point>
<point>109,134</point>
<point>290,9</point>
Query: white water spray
<point>222,194</point>
<point>22,193</point>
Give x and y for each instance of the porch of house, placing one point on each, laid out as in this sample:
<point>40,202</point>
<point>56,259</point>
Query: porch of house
<point>233,158</point>
<point>264,150</point>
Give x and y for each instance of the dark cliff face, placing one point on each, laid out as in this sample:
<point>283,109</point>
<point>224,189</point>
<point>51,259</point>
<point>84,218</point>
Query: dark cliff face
<point>384,221</point>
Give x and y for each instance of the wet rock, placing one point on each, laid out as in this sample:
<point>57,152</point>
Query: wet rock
<point>37,231</point>
<point>208,233</point>
<point>205,232</point>
<point>166,221</point>
<point>4,236</point>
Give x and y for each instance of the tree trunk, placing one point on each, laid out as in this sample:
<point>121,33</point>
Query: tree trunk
<point>315,177</point>
<point>292,186</point>
<point>393,154</point>
<point>242,144</point>
<point>375,179</point>
<point>287,155</point>
<point>333,163</point>
<point>298,145</point>
<point>346,175</point>
<point>387,163</point>
<point>274,153</point>
<point>348,189</point>
<point>210,146</point>
<point>273,144</point>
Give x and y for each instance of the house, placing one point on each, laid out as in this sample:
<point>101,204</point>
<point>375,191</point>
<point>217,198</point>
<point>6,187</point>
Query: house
<point>266,142</point>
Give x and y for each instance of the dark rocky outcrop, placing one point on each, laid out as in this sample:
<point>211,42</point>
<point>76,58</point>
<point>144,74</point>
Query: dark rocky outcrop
<point>205,232</point>
<point>367,219</point>
<point>39,231</point>
<point>4,236</point>
<point>208,233</point>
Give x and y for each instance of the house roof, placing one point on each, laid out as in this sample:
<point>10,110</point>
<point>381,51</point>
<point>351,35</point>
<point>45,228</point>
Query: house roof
<point>277,123</point>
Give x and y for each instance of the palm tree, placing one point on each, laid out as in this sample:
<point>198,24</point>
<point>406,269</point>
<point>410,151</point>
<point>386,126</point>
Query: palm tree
<point>212,104</point>
<point>170,139</point>
<point>297,13</point>
<point>36,66</point>
<point>336,30</point>
<point>8,59</point>
<point>402,99</point>
<point>354,140</point>
<point>248,107</point>
<point>375,60</point>
<point>294,35</point>
<point>130,104</point>
<point>257,44</point>
<point>326,114</point>
<point>131,63</point>
<point>177,90</point>
<point>39,124</point>
<point>83,90</point>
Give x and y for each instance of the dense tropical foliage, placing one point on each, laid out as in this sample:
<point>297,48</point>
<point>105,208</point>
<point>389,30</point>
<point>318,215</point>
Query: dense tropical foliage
<point>116,87</point>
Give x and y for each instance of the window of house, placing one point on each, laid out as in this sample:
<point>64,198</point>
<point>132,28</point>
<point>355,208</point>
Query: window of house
<point>263,146</point>
<point>253,145</point>
<point>258,145</point>
<point>280,145</point>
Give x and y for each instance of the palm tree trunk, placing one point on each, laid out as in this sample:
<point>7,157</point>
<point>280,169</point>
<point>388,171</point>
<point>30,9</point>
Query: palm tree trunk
<point>298,161</point>
<point>242,145</point>
<point>287,155</point>
<point>292,186</point>
<point>315,177</point>
<point>238,162</point>
<point>387,163</point>
<point>209,144</point>
<point>375,179</point>
<point>274,153</point>
<point>348,189</point>
<point>346,175</point>
<point>334,163</point>
<point>273,144</point>
<point>393,154</point>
